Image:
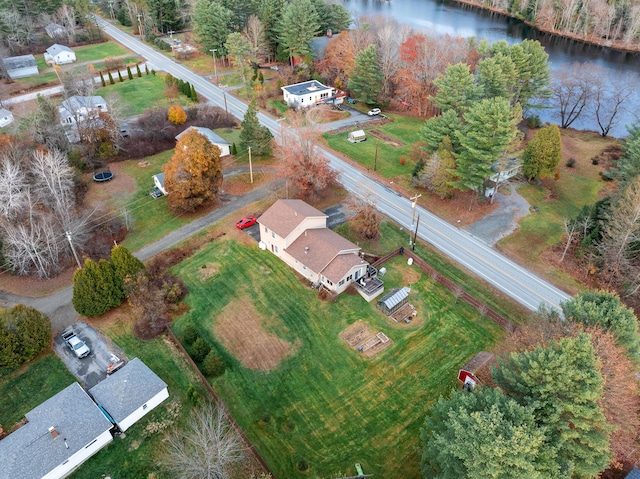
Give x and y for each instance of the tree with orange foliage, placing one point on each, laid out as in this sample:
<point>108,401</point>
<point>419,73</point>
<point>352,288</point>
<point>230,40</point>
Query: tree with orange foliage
<point>339,60</point>
<point>194,174</point>
<point>304,166</point>
<point>177,115</point>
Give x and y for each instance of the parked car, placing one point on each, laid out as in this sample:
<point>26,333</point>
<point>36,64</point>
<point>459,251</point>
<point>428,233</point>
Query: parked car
<point>76,344</point>
<point>374,112</point>
<point>275,67</point>
<point>246,222</point>
<point>351,100</point>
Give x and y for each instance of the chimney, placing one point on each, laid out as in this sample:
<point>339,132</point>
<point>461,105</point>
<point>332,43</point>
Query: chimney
<point>295,213</point>
<point>306,250</point>
<point>53,432</point>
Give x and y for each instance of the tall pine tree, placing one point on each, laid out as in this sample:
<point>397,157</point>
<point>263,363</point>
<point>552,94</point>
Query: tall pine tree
<point>366,78</point>
<point>253,134</point>
<point>299,24</point>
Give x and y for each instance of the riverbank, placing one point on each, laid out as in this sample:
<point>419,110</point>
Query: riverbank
<point>591,39</point>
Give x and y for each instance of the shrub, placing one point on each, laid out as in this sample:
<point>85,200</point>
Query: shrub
<point>169,80</point>
<point>234,149</point>
<point>113,63</point>
<point>129,74</point>
<point>302,465</point>
<point>213,365</point>
<point>190,334</point>
<point>111,82</point>
<point>177,115</point>
<point>595,160</point>
<point>146,69</point>
<point>193,395</point>
<point>104,83</point>
<point>138,72</point>
<point>200,350</point>
<point>120,76</point>
<point>24,332</point>
<point>162,45</point>
<point>403,161</point>
<point>534,121</point>
<point>571,162</point>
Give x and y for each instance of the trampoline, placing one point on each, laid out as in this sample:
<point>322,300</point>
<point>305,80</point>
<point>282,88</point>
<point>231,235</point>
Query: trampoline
<point>103,176</point>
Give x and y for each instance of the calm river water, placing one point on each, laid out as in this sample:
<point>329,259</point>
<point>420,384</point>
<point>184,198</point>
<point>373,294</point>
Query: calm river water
<point>438,16</point>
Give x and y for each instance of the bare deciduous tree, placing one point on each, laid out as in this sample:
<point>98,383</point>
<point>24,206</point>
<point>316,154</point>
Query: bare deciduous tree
<point>610,95</point>
<point>572,89</point>
<point>66,15</point>
<point>13,188</point>
<point>255,34</point>
<point>366,217</point>
<point>207,448</point>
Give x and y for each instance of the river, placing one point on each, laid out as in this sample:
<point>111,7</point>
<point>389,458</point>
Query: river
<point>445,16</point>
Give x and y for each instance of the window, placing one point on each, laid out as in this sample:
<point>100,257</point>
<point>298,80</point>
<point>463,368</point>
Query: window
<point>349,277</point>
<point>266,230</point>
<point>341,282</point>
<point>276,249</point>
<point>304,267</point>
<point>273,235</point>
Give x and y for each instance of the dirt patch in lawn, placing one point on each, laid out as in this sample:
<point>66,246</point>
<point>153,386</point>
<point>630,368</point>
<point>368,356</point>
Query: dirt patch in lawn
<point>206,271</point>
<point>389,140</point>
<point>240,184</point>
<point>410,276</point>
<point>117,189</point>
<point>326,114</point>
<point>241,330</point>
<point>361,338</point>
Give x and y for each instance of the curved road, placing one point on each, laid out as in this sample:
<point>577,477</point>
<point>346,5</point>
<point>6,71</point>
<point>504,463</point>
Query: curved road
<point>469,251</point>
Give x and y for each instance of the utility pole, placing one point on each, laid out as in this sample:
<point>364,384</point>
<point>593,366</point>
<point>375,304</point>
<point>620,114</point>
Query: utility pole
<point>224,94</point>
<point>215,68</point>
<point>139,15</point>
<point>375,158</point>
<point>414,201</point>
<point>73,248</point>
<point>250,167</point>
<point>415,234</point>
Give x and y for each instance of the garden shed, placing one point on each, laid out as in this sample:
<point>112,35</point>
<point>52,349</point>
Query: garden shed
<point>468,374</point>
<point>394,300</point>
<point>357,136</point>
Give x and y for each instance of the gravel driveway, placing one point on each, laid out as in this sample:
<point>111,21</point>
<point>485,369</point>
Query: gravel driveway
<point>504,220</point>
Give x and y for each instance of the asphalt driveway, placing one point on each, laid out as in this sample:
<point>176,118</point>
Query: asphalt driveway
<point>93,368</point>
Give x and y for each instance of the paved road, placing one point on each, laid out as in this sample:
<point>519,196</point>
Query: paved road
<point>469,251</point>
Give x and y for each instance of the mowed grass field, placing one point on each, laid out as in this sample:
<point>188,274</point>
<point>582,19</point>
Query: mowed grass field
<point>325,405</point>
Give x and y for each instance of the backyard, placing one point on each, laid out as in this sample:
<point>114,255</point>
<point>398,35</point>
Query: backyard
<point>313,405</point>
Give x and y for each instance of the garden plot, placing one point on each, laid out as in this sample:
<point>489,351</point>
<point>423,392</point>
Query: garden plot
<point>360,337</point>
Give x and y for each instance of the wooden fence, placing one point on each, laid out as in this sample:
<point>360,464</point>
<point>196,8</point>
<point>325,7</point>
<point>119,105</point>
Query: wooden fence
<point>219,402</point>
<point>457,290</point>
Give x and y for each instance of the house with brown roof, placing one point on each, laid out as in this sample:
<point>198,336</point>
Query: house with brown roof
<point>297,233</point>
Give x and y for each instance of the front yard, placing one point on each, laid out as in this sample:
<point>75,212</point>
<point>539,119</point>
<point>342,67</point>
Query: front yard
<point>309,403</point>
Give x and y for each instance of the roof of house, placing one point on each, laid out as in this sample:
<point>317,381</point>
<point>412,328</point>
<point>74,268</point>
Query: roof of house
<point>160,177</point>
<point>394,297</point>
<point>127,390</point>
<point>633,474</point>
<point>285,215</point>
<point>211,135</point>
<point>22,61</point>
<point>4,112</point>
<point>340,266</point>
<point>54,30</point>
<point>76,102</point>
<point>56,48</point>
<point>305,87</point>
<point>316,248</point>
<point>32,451</point>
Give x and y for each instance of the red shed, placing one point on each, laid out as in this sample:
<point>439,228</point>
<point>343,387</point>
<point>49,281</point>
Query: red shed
<point>467,375</point>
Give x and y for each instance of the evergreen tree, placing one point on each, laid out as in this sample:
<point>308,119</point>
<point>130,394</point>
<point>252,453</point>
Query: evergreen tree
<point>213,364</point>
<point>120,79</point>
<point>234,149</point>
<point>483,434</point>
<point>543,153</point>
<point>299,24</point>
<point>497,76</point>
<point>270,14</point>
<point>111,82</point>
<point>604,309</point>
<point>490,126</point>
<point>366,78</point>
<point>212,24</point>
<point>95,288</point>
<point>436,129</point>
<point>456,89</point>
<point>129,74</point>
<point>253,134</point>
<point>562,386</point>
<point>628,167</point>
<point>146,69</point>
<point>24,332</point>
<point>339,17</point>
<point>124,264</point>
<point>10,356</point>
<point>102,80</point>
<point>138,72</point>
<point>193,95</point>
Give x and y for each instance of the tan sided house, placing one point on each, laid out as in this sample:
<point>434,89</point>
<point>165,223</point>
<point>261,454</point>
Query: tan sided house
<point>297,233</point>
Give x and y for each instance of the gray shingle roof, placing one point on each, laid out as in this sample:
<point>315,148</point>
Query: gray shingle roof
<point>306,87</point>
<point>56,48</point>
<point>76,102</point>
<point>16,63</point>
<point>211,135</point>
<point>128,389</point>
<point>32,451</point>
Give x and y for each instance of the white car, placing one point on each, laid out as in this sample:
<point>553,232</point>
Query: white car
<point>374,112</point>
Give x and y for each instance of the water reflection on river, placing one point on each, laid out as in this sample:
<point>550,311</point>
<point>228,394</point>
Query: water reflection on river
<point>442,17</point>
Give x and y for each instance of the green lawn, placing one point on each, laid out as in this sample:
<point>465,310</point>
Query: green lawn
<point>140,94</point>
<point>405,130</point>
<point>100,51</point>
<point>326,404</point>
<point>152,218</point>
<point>135,456</point>
<point>34,383</point>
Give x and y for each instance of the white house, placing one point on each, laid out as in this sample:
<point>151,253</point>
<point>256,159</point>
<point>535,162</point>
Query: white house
<point>6,117</point>
<point>213,137</point>
<point>59,54</point>
<point>130,393</point>
<point>306,93</point>
<point>60,434</point>
<point>504,169</point>
<point>297,233</point>
<point>79,108</point>
<point>158,180</point>
<point>21,66</point>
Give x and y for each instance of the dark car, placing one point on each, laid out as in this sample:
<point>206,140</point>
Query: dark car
<point>246,222</point>
<point>351,100</point>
